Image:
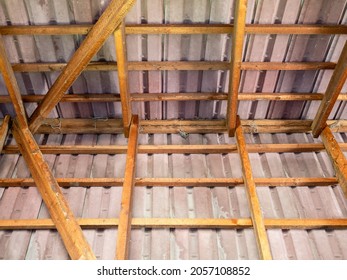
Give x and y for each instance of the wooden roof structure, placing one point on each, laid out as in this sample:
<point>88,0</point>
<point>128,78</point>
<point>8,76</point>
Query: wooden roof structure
<point>111,24</point>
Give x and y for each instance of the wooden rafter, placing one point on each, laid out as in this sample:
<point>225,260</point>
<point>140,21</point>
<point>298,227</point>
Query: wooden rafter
<point>125,217</point>
<point>103,28</point>
<point>122,66</point>
<point>63,218</point>
<point>177,29</point>
<point>236,61</point>
<point>3,131</point>
<point>332,92</point>
<point>337,157</point>
<point>175,182</point>
<point>12,86</point>
<point>203,223</point>
<point>256,212</point>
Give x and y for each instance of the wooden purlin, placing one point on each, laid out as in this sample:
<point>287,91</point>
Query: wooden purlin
<point>12,86</point>
<point>64,220</point>
<point>4,128</point>
<point>253,201</point>
<point>122,67</point>
<point>186,223</point>
<point>236,61</point>
<point>331,94</point>
<point>103,28</point>
<point>338,159</point>
<point>125,216</point>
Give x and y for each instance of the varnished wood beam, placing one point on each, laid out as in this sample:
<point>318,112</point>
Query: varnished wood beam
<point>195,28</point>
<point>174,223</point>
<point>178,66</point>
<point>64,220</point>
<point>337,157</point>
<point>4,131</point>
<point>125,216</point>
<point>332,92</point>
<point>175,182</point>
<point>122,67</point>
<point>12,86</point>
<point>254,204</point>
<point>236,62</point>
<point>103,28</point>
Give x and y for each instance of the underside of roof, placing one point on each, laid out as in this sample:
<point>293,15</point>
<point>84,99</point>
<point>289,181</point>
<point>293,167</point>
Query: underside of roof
<point>176,129</point>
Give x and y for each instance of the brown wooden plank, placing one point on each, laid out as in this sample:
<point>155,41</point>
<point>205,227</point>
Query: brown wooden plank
<point>236,61</point>
<point>176,66</point>
<point>176,182</point>
<point>64,220</point>
<point>4,131</point>
<point>12,86</point>
<point>254,204</point>
<point>103,28</point>
<point>205,223</point>
<point>337,157</point>
<point>122,67</point>
<point>83,29</point>
<point>125,217</point>
<point>332,92</point>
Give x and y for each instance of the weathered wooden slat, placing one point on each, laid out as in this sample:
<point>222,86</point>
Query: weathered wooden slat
<point>337,157</point>
<point>72,29</point>
<point>122,67</point>
<point>175,182</point>
<point>4,131</point>
<point>332,92</point>
<point>254,204</point>
<point>103,28</point>
<point>64,220</point>
<point>236,62</point>
<point>205,223</point>
<point>12,86</point>
<point>125,217</point>
<point>176,149</point>
<point>177,66</point>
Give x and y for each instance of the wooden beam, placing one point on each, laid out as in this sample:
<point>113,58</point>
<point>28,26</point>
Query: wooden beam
<point>176,149</point>
<point>103,28</point>
<point>83,29</point>
<point>174,223</point>
<point>122,66</point>
<point>64,220</point>
<point>332,92</point>
<point>125,216</point>
<point>256,212</point>
<point>174,182</point>
<point>4,131</point>
<point>12,86</point>
<point>337,157</point>
<point>236,61</point>
<point>178,66</point>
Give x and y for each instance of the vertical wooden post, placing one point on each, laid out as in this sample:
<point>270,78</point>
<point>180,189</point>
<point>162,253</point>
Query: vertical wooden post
<point>124,228</point>
<point>256,213</point>
<point>122,69</point>
<point>337,157</point>
<point>236,60</point>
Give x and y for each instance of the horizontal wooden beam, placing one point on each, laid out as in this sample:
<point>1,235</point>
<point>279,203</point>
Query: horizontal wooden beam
<point>174,182</point>
<point>174,223</point>
<point>195,28</point>
<point>177,66</point>
<point>179,96</point>
<point>176,149</point>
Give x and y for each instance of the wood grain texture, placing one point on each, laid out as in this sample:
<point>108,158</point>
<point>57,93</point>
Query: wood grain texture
<point>338,159</point>
<point>254,204</point>
<point>64,220</point>
<point>103,28</point>
<point>4,128</point>
<point>124,229</point>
